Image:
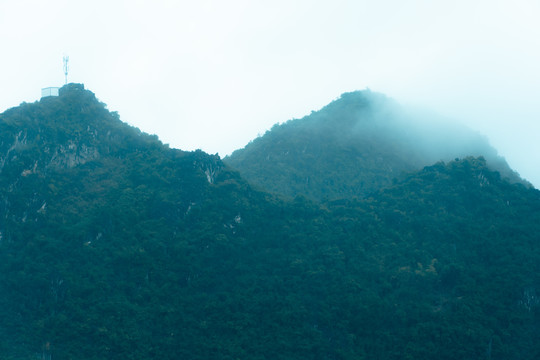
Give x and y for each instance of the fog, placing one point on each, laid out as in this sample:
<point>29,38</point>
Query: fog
<point>420,136</point>
<point>213,75</point>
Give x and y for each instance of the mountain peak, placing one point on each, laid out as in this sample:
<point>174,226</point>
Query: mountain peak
<point>72,129</point>
<point>353,146</point>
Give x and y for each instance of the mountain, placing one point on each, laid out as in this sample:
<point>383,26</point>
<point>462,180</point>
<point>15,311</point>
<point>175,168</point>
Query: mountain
<point>114,246</point>
<point>357,144</point>
<point>87,205</point>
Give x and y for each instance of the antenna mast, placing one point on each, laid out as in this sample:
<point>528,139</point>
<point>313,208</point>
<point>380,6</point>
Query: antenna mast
<point>66,66</point>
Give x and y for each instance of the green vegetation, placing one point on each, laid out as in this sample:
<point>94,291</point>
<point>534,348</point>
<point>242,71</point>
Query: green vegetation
<point>113,246</point>
<point>357,144</point>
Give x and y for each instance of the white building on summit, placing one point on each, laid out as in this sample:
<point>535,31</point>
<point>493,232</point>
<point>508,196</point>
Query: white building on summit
<point>49,91</point>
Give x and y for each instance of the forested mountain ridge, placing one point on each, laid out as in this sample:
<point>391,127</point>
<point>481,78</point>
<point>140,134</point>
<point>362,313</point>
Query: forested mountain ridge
<point>114,246</point>
<point>75,135</point>
<point>355,145</point>
<point>79,188</point>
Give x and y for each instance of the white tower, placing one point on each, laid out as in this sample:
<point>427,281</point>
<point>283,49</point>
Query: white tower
<point>66,66</point>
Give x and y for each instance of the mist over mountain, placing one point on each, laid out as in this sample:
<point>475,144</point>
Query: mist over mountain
<point>355,145</point>
<point>114,246</point>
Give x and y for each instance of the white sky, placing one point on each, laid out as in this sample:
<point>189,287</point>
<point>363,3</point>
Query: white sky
<point>214,74</point>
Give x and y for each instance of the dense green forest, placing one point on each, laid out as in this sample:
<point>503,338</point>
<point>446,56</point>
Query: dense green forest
<point>355,145</point>
<point>114,246</point>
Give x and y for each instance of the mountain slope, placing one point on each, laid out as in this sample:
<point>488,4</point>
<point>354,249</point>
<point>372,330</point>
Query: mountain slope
<point>457,248</point>
<point>83,196</point>
<point>114,246</point>
<point>353,146</point>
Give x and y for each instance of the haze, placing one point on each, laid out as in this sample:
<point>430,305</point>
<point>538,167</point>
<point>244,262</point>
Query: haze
<point>214,74</point>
